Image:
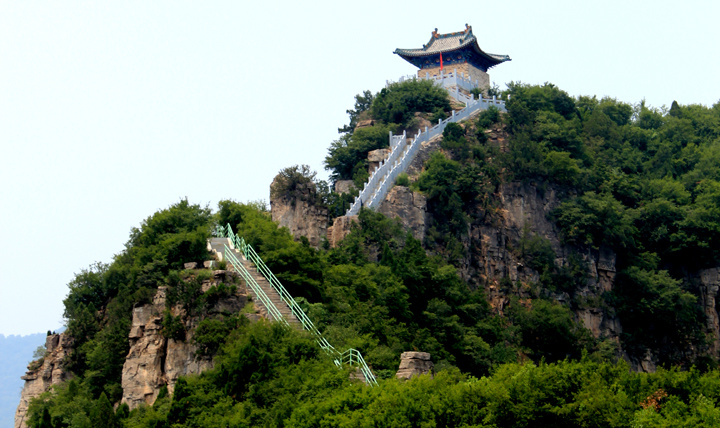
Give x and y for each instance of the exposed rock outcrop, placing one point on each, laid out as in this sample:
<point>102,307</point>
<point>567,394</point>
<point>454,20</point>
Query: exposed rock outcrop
<point>418,123</point>
<point>155,361</point>
<point>340,229</point>
<point>375,157</point>
<point>301,213</point>
<point>709,285</point>
<point>344,186</point>
<point>365,123</point>
<point>44,373</point>
<point>492,255</point>
<point>410,207</point>
<point>494,235</point>
<point>414,364</point>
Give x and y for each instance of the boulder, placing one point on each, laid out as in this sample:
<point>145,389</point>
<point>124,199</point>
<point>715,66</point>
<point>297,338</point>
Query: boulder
<point>414,364</point>
<point>344,186</point>
<point>375,157</point>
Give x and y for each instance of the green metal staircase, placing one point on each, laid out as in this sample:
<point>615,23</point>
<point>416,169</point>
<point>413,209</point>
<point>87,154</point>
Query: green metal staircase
<point>272,295</point>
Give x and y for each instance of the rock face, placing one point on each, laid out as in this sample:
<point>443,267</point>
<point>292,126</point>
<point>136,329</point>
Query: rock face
<point>414,364</point>
<point>44,373</point>
<point>301,214</point>
<point>364,123</point>
<point>524,209</point>
<point>340,229</point>
<point>410,207</point>
<point>344,186</point>
<point>494,235</point>
<point>709,285</point>
<point>375,157</point>
<point>155,361</point>
<point>418,123</point>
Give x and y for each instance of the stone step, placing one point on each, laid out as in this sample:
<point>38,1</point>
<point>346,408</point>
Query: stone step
<point>219,244</point>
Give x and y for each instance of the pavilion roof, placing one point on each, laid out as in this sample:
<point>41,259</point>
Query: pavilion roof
<point>442,43</point>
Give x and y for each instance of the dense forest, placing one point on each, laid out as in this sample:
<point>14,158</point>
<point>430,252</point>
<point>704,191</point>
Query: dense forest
<point>644,182</point>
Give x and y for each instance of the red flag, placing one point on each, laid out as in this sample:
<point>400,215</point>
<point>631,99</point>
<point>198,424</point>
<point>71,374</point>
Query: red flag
<point>441,61</point>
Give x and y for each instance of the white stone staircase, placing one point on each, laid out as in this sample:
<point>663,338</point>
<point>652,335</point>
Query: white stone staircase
<point>403,149</point>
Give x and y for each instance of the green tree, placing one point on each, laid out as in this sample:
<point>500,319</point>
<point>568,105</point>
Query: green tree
<point>348,154</point>
<point>597,219</point>
<point>399,101</point>
<point>362,104</point>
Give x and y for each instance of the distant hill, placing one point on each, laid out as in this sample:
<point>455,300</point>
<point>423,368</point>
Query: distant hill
<point>15,354</point>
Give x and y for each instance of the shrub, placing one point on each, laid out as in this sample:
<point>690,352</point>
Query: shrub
<point>398,102</point>
<point>549,331</point>
<point>453,131</point>
<point>488,117</point>
<point>596,219</point>
<point>36,364</point>
<point>402,180</point>
<point>295,182</point>
<point>173,327</point>
<point>212,333</point>
<point>220,291</point>
<point>185,292</point>
<point>348,154</point>
<point>437,115</point>
<point>536,251</point>
<point>561,167</point>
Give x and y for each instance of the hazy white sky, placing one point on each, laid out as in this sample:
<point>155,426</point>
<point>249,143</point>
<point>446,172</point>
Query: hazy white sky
<point>110,111</point>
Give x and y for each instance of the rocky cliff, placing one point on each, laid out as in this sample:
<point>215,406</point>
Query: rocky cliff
<point>709,286</point>
<point>301,213</point>
<point>155,360</point>
<point>43,373</point>
<point>493,256</point>
<point>494,235</point>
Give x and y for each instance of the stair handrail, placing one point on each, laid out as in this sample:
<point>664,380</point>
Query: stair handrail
<point>250,254</point>
<point>239,268</point>
<point>347,357</point>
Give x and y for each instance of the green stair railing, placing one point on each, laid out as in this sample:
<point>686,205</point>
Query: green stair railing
<point>259,292</point>
<point>350,356</point>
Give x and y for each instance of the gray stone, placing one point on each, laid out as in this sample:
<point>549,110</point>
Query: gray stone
<point>344,186</point>
<point>414,364</point>
<point>375,157</point>
<point>340,229</point>
<point>709,286</point>
<point>410,207</point>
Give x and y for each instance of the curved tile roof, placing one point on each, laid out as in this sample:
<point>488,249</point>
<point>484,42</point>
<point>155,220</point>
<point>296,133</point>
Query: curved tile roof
<point>441,43</point>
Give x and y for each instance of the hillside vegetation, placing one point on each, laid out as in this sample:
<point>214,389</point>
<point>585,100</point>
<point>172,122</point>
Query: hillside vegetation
<point>642,181</point>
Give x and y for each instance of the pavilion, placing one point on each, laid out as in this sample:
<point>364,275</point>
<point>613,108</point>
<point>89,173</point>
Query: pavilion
<point>453,52</point>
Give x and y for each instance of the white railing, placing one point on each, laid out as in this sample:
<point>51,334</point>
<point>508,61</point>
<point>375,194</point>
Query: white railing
<point>446,80</point>
<point>402,153</point>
